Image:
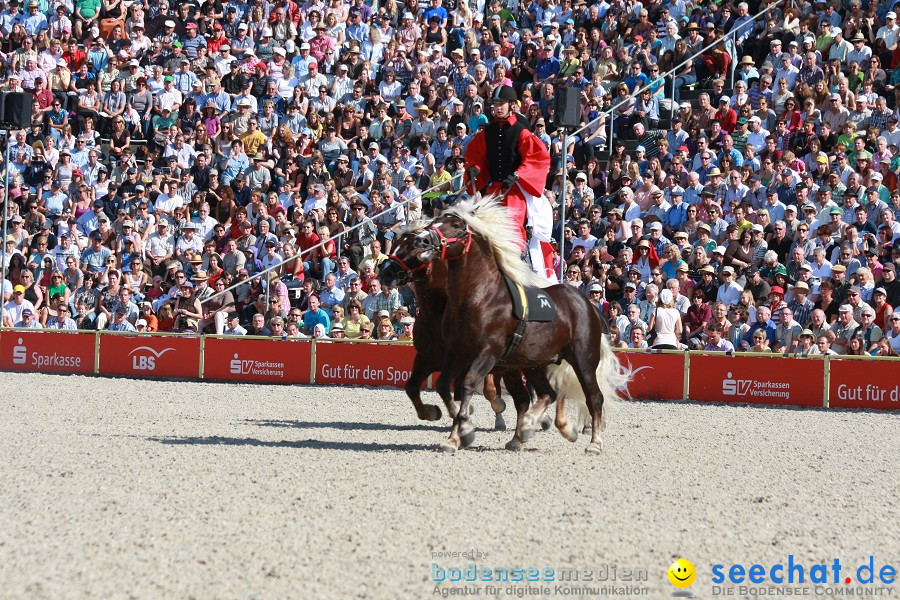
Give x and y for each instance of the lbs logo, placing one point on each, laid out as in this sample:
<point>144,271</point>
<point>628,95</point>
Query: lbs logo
<point>144,358</point>
<point>735,387</point>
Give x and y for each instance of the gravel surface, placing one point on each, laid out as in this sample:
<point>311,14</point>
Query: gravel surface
<point>112,488</point>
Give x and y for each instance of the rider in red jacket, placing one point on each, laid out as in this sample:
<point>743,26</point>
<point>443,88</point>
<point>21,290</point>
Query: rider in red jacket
<point>508,155</point>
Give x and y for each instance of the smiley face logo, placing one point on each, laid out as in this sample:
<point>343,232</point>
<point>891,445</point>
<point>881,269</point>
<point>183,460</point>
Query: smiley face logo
<point>682,573</point>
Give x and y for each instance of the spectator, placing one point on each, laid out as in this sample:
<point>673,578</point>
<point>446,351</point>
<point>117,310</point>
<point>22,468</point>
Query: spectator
<point>667,323</point>
<point>715,342</point>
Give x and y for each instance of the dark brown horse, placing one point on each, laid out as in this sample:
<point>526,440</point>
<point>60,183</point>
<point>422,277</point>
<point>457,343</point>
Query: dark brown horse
<point>430,287</point>
<point>476,241</point>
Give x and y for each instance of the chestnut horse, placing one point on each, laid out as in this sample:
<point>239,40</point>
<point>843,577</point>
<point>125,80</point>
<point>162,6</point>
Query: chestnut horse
<point>476,242</point>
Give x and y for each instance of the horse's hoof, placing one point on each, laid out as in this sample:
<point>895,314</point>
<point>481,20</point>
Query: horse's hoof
<point>514,445</point>
<point>546,422</point>
<point>569,433</point>
<point>447,448</point>
<point>430,413</point>
<point>526,435</point>
<point>499,423</point>
<point>502,404</point>
<point>594,448</point>
<point>471,409</point>
<point>586,430</point>
<point>467,439</point>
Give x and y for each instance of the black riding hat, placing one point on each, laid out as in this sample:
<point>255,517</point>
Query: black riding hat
<point>504,93</point>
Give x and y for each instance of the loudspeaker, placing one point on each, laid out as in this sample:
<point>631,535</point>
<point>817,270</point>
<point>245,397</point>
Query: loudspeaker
<point>568,107</point>
<point>16,108</point>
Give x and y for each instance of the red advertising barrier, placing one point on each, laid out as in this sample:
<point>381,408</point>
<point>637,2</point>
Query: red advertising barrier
<point>753,380</point>
<point>654,376</point>
<point>363,364</point>
<point>864,384</point>
<point>150,356</point>
<point>269,361</point>
<point>47,352</point>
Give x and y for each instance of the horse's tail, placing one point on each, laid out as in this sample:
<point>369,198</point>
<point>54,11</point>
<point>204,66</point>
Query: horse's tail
<point>612,378</point>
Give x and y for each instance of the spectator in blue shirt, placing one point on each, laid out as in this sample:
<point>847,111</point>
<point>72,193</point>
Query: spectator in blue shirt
<point>636,78</point>
<point>315,316</point>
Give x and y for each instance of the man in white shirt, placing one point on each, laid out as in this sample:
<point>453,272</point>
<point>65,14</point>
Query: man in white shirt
<point>167,204</point>
<point>889,31</point>
<point>584,239</point>
<point>170,98</point>
<point>757,135</point>
<point>14,308</point>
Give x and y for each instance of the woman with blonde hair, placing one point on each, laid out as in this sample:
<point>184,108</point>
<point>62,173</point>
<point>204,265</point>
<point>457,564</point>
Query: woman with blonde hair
<point>385,330</point>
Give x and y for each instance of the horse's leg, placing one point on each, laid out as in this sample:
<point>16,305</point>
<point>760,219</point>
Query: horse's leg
<point>442,387</point>
<point>585,365</point>
<point>419,373</point>
<point>538,414</point>
<point>566,428</point>
<point>522,399</point>
<point>462,433</point>
<point>492,393</point>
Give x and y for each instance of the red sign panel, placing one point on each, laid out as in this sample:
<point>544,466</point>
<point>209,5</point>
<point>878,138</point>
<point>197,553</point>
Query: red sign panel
<point>47,352</point>
<point>864,384</point>
<point>654,376</point>
<point>271,361</point>
<point>150,356</point>
<point>754,380</point>
<point>364,364</point>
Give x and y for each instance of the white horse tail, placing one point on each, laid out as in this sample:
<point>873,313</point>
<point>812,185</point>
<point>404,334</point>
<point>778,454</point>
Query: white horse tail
<point>612,378</point>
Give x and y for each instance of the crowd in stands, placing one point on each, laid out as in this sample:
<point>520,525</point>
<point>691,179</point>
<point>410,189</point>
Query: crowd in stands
<point>748,200</point>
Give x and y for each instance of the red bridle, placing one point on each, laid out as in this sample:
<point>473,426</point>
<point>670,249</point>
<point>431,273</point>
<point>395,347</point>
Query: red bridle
<point>405,267</point>
<point>446,241</point>
<point>443,242</point>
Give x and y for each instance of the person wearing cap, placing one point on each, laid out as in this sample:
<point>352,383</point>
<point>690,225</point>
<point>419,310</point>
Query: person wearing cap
<point>787,333</point>
<point>28,319</point>
<point>512,161</point>
<point>844,328</point>
<point>120,320</point>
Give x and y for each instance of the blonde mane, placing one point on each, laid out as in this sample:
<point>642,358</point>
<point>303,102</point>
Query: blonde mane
<point>415,226</point>
<point>489,219</point>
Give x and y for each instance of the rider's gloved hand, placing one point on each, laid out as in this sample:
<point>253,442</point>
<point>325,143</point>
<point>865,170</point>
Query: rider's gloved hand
<point>510,180</point>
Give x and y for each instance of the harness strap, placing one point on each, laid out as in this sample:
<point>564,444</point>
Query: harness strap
<point>446,241</point>
<point>400,262</point>
<point>519,333</point>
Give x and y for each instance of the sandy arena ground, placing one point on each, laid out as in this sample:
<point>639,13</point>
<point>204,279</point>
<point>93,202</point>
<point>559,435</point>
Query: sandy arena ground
<point>139,489</point>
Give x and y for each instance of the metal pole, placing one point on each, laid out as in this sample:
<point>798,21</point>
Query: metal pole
<point>5,220</point>
<point>609,141</point>
<point>672,99</point>
<point>562,204</point>
<point>671,71</point>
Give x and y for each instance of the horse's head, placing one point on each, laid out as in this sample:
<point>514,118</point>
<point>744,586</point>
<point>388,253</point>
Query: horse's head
<point>451,236</point>
<point>412,254</point>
